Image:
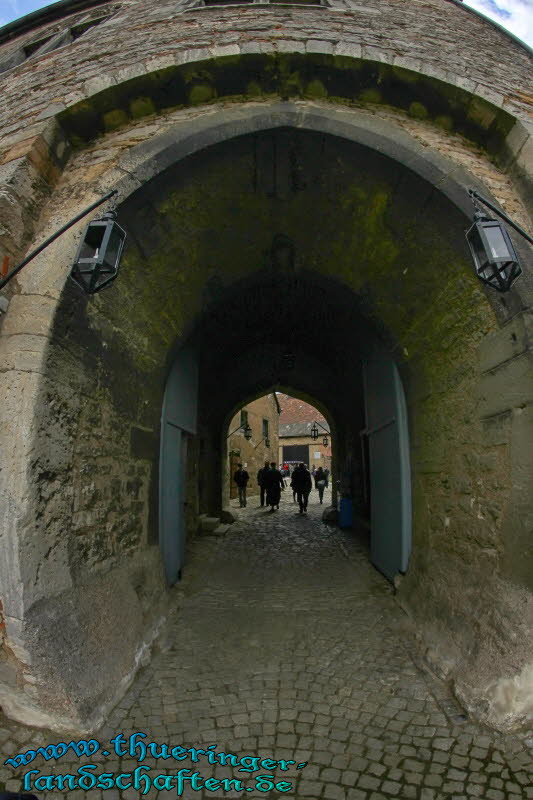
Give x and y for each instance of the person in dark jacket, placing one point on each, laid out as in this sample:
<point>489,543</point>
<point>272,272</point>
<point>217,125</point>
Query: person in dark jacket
<point>320,482</point>
<point>274,486</point>
<point>241,478</point>
<point>301,482</point>
<point>261,483</point>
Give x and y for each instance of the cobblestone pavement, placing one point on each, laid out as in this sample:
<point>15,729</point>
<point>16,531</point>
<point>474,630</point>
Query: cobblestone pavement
<point>285,643</point>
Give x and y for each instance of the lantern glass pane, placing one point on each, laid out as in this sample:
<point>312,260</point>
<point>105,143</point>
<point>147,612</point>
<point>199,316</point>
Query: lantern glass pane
<point>90,247</point>
<point>113,248</point>
<point>476,243</point>
<point>495,238</point>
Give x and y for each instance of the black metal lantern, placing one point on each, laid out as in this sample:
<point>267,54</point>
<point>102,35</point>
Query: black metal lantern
<point>314,432</point>
<point>247,433</point>
<point>267,442</point>
<point>495,260</point>
<point>99,253</point>
<point>325,441</point>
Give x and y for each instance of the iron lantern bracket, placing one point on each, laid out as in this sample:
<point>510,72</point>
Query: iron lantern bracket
<point>475,196</point>
<point>264,439</point>
<point>240,428</point>
<point>55,236</point>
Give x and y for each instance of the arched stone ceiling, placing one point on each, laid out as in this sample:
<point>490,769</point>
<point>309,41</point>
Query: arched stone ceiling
<point>351,216</point>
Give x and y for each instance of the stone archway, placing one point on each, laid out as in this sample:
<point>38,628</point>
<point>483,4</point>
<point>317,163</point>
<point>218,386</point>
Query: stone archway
<point>112,353</point>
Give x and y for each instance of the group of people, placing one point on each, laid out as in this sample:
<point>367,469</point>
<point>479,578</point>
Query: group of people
<point>271,483</point>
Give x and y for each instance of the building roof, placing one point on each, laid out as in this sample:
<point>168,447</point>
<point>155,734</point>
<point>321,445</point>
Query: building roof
<point>294,410</point>
<point>300,429</point>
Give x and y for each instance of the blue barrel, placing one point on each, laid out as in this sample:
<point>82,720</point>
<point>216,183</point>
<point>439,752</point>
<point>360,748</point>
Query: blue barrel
<point>345,512</point>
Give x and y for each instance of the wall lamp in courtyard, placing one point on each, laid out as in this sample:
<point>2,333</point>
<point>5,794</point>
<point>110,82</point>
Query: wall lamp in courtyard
<point>246,430</point>
<point>495,259</point>
<point>315,432</point>
<point>99,253</point>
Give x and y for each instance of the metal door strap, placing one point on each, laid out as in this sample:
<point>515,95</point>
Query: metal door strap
<point>366,432</point>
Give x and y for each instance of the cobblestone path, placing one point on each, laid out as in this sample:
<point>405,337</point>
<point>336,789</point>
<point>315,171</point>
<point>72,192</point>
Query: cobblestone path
<point>286,644</point>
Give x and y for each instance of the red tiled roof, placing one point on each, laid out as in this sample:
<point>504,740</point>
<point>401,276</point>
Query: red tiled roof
<point>295,410</point>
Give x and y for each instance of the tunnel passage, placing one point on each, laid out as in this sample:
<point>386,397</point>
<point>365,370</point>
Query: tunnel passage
<point>286,327</point>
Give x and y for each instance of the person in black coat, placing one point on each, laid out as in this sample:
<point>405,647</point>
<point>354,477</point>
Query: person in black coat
<point>302,483</point>
<point>320,482</point>
<point>241,478</point>
<point>261,483</point>
<point>274,486</point>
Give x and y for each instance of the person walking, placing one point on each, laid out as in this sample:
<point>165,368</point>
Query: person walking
<point>274,486</point>
<point>261,482</point>
<point>326,473</point>
<point>302,483</point>
<point>241,478</point>
<point>293,486</point>
<point>320,482</point>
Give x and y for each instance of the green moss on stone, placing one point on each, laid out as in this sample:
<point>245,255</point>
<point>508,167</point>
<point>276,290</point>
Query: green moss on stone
<point>201,93</point>
<point>316,88</point>
<point>418,110</point>
<point>370,95</point>
<point>481,113</point>
<point>142,107</point>
<point>348,81</point>
<point>114,119</point>
<point>253,89</point>
<point>405,75</point>
<point>444,121</point>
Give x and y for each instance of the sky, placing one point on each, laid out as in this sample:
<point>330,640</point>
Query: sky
<point>515,15</point>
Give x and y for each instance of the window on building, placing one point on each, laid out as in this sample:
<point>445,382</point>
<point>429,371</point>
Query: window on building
<point>263,2</point>
<point>45,44</point>
<point>265,429</point>
<point>34,47</point>
<point>226,2</point>
<point>244,418</point>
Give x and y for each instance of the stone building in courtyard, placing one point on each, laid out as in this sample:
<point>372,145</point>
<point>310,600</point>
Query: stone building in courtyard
<point>296,442</point>
<point>293,182</point>
<point>262,417</point>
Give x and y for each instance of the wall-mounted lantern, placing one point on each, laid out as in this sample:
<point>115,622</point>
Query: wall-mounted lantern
<point>267,442</point>
<point>109,251</point>
<point>314,432</point>
<point>247,433</point>
<point>495,259</point>
<point>99,254</point>
<point>325,441</point>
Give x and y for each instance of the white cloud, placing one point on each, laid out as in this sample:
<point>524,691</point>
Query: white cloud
<point>514,15</point>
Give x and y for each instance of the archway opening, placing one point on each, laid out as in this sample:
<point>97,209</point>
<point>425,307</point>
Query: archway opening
<point>275,428</point>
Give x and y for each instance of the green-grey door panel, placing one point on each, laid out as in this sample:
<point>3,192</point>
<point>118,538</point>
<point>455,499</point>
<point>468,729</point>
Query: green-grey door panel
<point>171,507</point>
<point>388,445</point>
<point>178,419</point>
<point>180,405</point>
